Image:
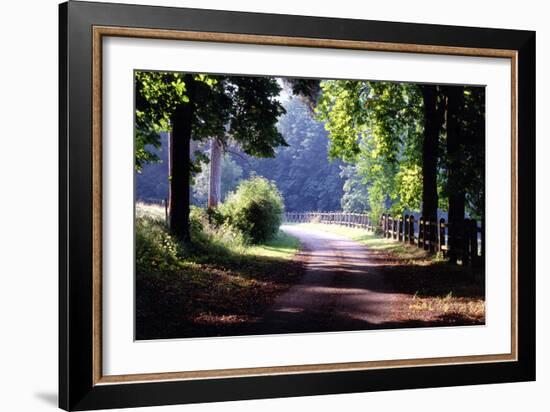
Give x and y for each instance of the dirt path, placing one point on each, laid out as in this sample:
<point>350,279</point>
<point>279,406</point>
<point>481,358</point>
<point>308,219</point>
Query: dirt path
<point>342,288</point>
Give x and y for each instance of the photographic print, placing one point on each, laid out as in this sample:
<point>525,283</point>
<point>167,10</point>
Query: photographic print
<point>276,205</point>
<point>256,205</point>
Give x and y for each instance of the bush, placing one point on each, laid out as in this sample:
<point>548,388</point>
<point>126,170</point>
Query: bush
<point>156,250</point>
<point>211,234</point>
<point>255,209</point>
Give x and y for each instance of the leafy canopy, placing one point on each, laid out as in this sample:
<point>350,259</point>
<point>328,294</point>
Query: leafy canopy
<point>378,127</point>
<point>243,109</point>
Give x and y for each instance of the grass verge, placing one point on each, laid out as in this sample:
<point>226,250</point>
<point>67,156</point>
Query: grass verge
<point>283,246</point>
<point>375,242</point>
<point>434,292</point>
<point>215,286</point>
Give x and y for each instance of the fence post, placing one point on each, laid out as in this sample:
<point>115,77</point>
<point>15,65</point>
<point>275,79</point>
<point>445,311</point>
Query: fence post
<point>442,235</point>
<point>432,235</point>
<point>466,242</point>
<point>411,229</point>
<point>473,242</point>
<point>419,242</point>
<point>427,235</point>
<point>421,232</point>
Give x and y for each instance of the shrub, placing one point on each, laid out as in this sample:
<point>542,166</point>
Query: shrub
<point>156,250</point>
<point>211,234</point>
<point>255,209</point>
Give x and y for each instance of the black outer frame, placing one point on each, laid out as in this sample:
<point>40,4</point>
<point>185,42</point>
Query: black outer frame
<point>76,389</point>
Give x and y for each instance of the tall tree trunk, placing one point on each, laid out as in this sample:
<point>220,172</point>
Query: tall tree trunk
<point>180,138</point>
<point>215,180</point>
<point>433,120</point>
<point>455,171</point>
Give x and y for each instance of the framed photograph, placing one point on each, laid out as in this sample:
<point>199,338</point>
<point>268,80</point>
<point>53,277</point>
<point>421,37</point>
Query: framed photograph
<point>257,206</point>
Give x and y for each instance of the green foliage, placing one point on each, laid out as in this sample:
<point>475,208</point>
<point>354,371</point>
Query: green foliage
<point>473,124</point>
<point>254,114</point>
<point>340,107</point>
<point>409,187</point>
<point>307,90</point>
<point>230,177</point>
<point>471,176</point>
<point>237,107</point>
<point>255,209</point>
<point>214,240</point>
<point>377,126</point>
<point>158,94</point>
<point>301,171</point>
<point>356,193</point>
<point>213,235</point>
<point>156,251</point>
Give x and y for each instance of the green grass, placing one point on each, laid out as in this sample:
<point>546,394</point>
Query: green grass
<point>152,211</point>
<point>433,291</point>
<point>283,246</point>
<point>216,285</point>
<point>373,241</point>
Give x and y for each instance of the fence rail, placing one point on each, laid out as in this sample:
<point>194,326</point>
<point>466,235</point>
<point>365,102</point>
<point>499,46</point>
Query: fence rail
<point>359,220</point>
<point>428,235</point>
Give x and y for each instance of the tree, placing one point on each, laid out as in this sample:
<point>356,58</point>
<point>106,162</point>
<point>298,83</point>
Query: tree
<point>377,126</point>
<point>301,171</point>
<point>199,106</point>
<point>433,121</point>
<point>231,173</point>
<point>215,175</point>
<point>356,192</point>
<point>473,133</point>
<point>252,124</point>
<point>168,101</point>
<point>465,140</point>
<point>307,90</point>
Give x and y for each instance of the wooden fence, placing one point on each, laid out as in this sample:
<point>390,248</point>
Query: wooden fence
<point>430,236</point>
<point>359,220</point>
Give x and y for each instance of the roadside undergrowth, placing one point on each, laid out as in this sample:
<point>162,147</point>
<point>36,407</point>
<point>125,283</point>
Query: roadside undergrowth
<point>434,292</point>
<point>216,282</point>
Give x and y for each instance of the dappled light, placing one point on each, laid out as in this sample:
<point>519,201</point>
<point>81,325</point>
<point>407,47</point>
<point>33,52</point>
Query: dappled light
<point>268,205</point>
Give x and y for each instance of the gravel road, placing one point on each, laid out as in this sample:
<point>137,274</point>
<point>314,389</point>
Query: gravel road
<point>342,289</point>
